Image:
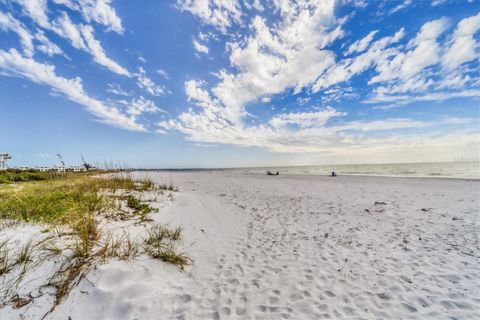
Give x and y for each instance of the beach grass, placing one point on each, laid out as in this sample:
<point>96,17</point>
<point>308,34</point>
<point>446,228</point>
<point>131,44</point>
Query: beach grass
<point>72,206</point>
<point>13,175</point>
<point>159,244</point>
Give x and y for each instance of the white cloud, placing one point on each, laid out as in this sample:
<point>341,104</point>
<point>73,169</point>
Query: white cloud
<point>144,82</point>
<point>117,90</point>
<point>80,36</point>
<point>163,73</point>
<point>218,13</point>
<point>300,132</point>
<point>425,52</point>
<point>344,70</point>
<point>9,23</point>
<point>434,96</point>
<point>305,119</point>
<point>463,47</point>
<point>13,63</point>
<point>46,46</point>
<point>400,6</point>
<point>294,54</point>
<point>139,106</point>
<point>286,55</point>
<point>194,91</point>
<point>65,28</point>
<point>362,44</point>
<point>101,12</point>
<point>99,54</point>
<point>255,4</point>
<point>200,47</point>
<point>36,10</point>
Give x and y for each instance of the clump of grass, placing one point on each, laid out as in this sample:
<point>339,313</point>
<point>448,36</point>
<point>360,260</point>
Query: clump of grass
<point>159,245</point>
<point>146,184</point>
<point>168,254</point>
<point>176,234</point>
<point>142,209</point>
<point>170,186</point>
<point>123,248</point>
<point>24,255</point>
<point>52,249</point>
<point>5,263</point>
<point>70,273</point>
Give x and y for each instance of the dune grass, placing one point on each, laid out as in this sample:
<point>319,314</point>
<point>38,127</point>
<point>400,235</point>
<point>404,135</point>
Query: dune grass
<point>58,198</point>
<point>12,175</point>
<point>159,244</point>
<point>72,206</point>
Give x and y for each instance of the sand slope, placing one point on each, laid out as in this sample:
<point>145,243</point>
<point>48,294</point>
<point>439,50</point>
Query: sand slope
<point>303,247</point>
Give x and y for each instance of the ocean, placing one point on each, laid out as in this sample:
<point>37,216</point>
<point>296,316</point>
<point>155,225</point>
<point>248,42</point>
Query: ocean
<point>460,170</point>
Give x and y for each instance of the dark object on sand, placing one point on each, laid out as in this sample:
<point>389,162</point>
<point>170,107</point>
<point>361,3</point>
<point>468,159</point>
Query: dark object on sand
<point>333,174</point>
<point>269,173</point>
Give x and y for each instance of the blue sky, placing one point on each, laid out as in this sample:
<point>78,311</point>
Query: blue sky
<point>239,83</point>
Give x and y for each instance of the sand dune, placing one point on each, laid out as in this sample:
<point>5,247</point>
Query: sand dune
<point>302,247</point>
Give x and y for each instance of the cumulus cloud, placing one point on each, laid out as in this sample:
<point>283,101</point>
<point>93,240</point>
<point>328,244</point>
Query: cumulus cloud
<point>463,47</point>
<point>425,52</point>
<point>298,132</point>
<point>294,55</point>
<point>218,13</point>
<point>12,63</point>
<point>286,55</point>
<point>101,12</point>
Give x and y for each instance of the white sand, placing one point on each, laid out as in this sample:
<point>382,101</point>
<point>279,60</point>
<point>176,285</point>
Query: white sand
<point>300,247</point>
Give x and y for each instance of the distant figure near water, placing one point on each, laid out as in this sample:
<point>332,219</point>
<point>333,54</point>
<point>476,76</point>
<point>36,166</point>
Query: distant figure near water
<point>269,173</point>
<point>333,174</point>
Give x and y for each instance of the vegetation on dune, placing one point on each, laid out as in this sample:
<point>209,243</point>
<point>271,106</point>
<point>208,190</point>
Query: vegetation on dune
<point>13,175</point>
<point>73,206</point>
<point>60,198</point>
<point>159,244</point>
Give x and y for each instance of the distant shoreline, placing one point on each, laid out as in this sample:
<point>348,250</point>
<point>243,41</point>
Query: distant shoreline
<point>448,170</point>
<point>225,171</point>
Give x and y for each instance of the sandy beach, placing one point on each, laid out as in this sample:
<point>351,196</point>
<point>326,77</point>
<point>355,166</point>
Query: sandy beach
<point>301,247</point>
<point>285,247</point>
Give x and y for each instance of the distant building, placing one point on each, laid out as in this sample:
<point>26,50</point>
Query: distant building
<point>76,168</point>
<point>3,160</point>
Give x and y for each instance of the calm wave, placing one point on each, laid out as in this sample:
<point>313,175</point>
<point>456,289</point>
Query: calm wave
<point>466,170</point>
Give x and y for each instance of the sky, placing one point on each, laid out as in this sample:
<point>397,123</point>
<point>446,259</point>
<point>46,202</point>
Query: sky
<point>210,83</point>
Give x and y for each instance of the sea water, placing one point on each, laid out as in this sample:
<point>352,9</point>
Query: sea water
<point>461,170</point>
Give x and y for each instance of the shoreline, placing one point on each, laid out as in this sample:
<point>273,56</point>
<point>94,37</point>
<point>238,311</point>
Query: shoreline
<point>216,171</point>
